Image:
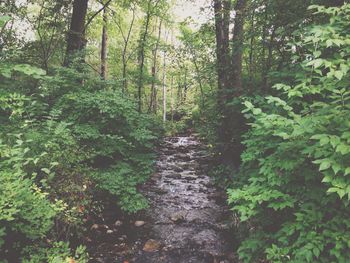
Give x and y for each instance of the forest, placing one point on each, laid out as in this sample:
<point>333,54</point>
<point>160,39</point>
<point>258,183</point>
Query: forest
<point>174,131</point>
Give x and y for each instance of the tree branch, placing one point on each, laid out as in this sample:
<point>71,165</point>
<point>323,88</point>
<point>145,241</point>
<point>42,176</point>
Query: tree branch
<point>94,15</point>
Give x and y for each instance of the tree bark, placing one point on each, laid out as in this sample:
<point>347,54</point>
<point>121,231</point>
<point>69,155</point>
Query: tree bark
<point>237,48</point>
<point>335,3</point>
<point>164,88</point>
<point>153,103</point>
<point>76,36</point>
<point>104,45</point>
<point>125,57</point>
<point>222,10</point>
<point>142,55</point>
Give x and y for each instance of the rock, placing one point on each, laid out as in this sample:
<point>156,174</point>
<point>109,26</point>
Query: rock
<point>122,238</point>
<point>160,191</point>
<point>189,177</point>
<point>178,169</point>
<point>94,227</point>
<point>176,176</point>
<point>109,232</point>
<point>139,223</point>
<point>177,217</point>
<point>152,246</point>
<point>118,223</point>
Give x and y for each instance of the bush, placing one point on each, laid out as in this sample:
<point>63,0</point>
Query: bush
<point>76,139</point>
<point>293,193</point>
<point>118,139</point>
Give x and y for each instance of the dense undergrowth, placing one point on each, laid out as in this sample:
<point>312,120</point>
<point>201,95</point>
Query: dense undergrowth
<point>65,139</point>
<point>292,191</point>
<point>294,181</point>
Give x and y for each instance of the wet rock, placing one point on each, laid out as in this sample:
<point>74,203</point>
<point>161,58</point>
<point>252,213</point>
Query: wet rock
<point>122,238</point>
<point>189,177</point>
<point>178,169</point>
<point>152,246</point>
<point>178,217</point>
<point>176,176</point>
<point>160,191</point>
<point>118,223</point>
<point>94,227</point>
<point>139,223</point>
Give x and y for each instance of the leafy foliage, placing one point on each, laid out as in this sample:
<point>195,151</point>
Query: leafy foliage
<point>293,186</point>
<point>72,145</point>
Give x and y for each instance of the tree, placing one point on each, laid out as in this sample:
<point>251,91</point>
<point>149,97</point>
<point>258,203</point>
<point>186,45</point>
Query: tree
<point>222,10</point>
<point>153,100</point>
<point>104,45</point>
<point>76,35</point>
<point>229,78</point>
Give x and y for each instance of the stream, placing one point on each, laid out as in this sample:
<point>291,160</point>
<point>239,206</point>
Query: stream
<point>187,222</point>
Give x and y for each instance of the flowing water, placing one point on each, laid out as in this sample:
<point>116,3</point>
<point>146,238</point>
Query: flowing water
<point>187,220</point>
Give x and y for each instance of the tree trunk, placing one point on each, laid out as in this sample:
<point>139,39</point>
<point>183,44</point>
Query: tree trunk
<point>185,87</point>
<point>335,3</point>
<point>232,122</point>
<point>104,45</point>
<point>125,59</point>
<point>153,103</point>
<point>251,51</point>
<point>76,36</point>
<point>263,42</point>
<point>222,10</point>
<point>172,98</point>
<point>237,48</point>
<point>268,62</point>
<point>142,55</point>
<point>164,88</point>
<point>199,79</point>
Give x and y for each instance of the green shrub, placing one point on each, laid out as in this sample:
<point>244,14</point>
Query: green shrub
<point>57,252</point>
<point>118,139</point>
<point>293,191</point>
<point>76,139</point>
<point>25,210</point>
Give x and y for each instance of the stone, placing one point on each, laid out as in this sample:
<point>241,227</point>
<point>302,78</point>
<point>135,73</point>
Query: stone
<point>152,246</point>
<point>109,232</point>
<point>118,223</point>
<point>139,223</point>
<point>94,227</point>
<point>177,217</point>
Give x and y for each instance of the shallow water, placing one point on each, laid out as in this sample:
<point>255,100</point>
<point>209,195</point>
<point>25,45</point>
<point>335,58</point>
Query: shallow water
<point>187,220</point>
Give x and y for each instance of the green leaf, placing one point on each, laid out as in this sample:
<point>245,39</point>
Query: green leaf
<point>4,19</point>
<point>325,165</point>
<point>338,74</point>
<point>45,170</point>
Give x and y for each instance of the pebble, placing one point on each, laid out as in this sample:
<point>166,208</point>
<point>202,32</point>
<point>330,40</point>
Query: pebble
<point>139,223</point>
<point>94,227</point>
<point>118,223</point>
<point>151,246</point>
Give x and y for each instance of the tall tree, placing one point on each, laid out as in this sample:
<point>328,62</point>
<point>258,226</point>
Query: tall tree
<point>237,47</point>
<point>164,88</point>
<point>76,34</point>
<point>104,45</point>
<point>153,101</point>
<point>141,58</point>
<point>229,68</point>
<point>222,10</point>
